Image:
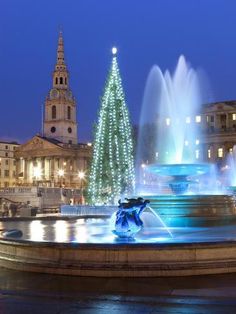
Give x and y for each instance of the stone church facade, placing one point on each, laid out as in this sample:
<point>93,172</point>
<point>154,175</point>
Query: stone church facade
<point>54,158</point>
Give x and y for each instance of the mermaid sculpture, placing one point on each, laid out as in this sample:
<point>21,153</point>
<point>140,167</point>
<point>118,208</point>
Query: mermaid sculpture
<point>128,221</point>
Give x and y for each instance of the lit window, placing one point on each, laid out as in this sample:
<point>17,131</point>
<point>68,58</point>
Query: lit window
<point>198,119</point>
<point>234,116</point>
<point>167,121</point>
<point>188,120</point>
<point>197,153</point>
<point>220,152</point>
<point>186,143</point>
<point>157,154</point>
<point>231,150</point>
<point>207,118</point>
<point>197,142</point>
<point>209,153</point>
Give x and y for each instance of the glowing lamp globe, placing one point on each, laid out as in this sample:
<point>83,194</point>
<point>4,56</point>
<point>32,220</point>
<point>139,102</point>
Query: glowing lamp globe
<point>114,50</point>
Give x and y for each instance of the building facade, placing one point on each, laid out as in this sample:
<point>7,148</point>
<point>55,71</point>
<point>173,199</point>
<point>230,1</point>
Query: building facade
<point>215,127</point>
<point>218,130</point>
<point>7,164</point>
<point>54,158</point>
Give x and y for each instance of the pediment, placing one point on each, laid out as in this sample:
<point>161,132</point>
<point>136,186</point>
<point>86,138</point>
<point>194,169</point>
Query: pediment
<point>37,146</point>
<point>37,143</point>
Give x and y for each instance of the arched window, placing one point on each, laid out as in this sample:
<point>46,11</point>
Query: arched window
<point>61,80</point>
<point>54,112</point>
<point>68,113</point>
<point>56,81</point>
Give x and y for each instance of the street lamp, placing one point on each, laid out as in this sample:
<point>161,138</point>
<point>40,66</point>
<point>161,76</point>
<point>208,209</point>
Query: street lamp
<point>37,173</point>
<point>61,173</point>
<point>81,176</point>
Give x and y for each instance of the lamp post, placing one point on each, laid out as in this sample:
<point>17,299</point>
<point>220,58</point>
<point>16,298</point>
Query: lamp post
<point>37,174</point>
<point>61,173</point>
<point>81,176</point>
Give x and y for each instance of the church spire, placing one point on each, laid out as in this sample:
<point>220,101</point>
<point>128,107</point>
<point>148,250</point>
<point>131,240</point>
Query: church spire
<point>60,120</point>
<point>60,75</point>
<point>60,50</point>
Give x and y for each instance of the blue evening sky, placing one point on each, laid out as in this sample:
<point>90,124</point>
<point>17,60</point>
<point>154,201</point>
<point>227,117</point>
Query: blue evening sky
<point>145,31</point>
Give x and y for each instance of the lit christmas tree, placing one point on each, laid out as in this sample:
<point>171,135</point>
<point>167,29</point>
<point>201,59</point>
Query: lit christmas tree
<point>112,167</point>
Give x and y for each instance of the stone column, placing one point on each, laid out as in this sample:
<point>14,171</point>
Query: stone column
<point>25,170</point>
<point>17,169</point>
<point>67,171</point>
<point>227,121</point>
<point>52,170</point>
<point>42,161</point>
<point>216,121</point>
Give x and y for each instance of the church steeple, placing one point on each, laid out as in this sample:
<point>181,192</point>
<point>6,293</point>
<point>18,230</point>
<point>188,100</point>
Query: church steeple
<point>60,120</point>
<point>60,75</point>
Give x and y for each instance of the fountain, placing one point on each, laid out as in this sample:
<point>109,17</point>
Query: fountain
<point>229,171</point>
<point>172,105</point>
<point>171,108</point>
<point>133,240</point>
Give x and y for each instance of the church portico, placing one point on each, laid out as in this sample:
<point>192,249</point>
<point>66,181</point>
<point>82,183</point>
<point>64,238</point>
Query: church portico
<point>41,162</point>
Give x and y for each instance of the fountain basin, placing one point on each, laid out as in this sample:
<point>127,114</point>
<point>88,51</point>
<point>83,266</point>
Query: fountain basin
<point>192,251</point>
<point>179,173</point>
<point>119,260</point>
<point>174,170</point>
<point>194,210</point>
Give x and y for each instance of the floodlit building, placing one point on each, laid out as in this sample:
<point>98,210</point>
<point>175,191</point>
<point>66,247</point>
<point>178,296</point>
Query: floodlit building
<point>54,158</point>
<point>7,163</point>
<point>218,130</point>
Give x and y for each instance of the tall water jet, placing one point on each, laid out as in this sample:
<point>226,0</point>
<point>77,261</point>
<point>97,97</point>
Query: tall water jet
<point>230,169</point>
<point>170,133</point>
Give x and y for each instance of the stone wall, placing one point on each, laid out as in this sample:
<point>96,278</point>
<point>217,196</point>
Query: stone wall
<point>43,198</point>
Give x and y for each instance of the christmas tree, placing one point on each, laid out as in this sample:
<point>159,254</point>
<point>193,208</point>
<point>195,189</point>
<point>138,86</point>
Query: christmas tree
<point>112,167</point>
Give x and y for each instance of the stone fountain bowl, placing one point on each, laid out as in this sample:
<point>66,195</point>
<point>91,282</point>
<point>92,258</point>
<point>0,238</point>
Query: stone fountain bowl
<point>179,170</point>
<point>191,251</point>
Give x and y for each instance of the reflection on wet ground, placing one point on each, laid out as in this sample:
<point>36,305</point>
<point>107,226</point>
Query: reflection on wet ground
<point>27,293</point>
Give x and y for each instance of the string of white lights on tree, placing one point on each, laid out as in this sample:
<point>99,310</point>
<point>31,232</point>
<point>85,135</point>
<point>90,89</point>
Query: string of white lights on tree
<point>112,167</point>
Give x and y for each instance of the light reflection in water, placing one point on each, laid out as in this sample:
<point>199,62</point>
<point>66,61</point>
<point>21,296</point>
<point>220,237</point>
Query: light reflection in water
<point>99,231</point>
<point>81,234</point>
<point>61,231</point>
<point>36,229</point>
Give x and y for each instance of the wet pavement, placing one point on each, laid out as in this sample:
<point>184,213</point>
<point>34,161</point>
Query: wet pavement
<point>23,293</point>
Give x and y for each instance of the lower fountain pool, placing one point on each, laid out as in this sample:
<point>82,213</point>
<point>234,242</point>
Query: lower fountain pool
<point>98,231</point>
<point>83,246</point>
